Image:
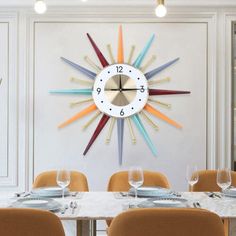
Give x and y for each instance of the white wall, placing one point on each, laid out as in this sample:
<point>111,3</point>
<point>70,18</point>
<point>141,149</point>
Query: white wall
<point>52,147</point>
<point>39,144</point>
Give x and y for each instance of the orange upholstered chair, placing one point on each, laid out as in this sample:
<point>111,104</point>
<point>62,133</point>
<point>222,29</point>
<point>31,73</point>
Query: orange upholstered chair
<point>207,181</point>
<point>166,222</point>
<point>78,181</point>
<point>28,222</point>
<point>119,181</point>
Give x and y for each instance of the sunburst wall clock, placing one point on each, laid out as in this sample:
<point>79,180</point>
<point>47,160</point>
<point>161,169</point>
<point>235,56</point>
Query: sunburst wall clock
<point>121,92</point>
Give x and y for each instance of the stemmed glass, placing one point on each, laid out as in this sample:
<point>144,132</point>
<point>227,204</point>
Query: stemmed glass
<point>192,175</point>
<point>223,178</point>
<point>63,180</point>
<point>136,178</point>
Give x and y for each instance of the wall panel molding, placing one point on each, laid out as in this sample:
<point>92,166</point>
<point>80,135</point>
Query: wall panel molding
<point>9,104</point>
<point>192,3</point>
<point>129,15</point>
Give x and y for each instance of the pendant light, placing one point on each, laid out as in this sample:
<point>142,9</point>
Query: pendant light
<point>160,9</point>
<point>40,6</point>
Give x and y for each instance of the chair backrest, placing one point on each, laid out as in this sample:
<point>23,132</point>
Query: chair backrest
<point>78,181</point>
<point>119,181</point>
<point>207,181</point>
<point>166,221</point>
<point>28,222</point>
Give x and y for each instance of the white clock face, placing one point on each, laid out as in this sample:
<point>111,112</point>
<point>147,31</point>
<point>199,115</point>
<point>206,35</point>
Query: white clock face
<point>120,90</point>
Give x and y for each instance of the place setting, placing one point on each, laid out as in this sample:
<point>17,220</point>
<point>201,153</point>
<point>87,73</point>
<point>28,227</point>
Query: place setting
<point>50,198</point>
<point>149,197</point>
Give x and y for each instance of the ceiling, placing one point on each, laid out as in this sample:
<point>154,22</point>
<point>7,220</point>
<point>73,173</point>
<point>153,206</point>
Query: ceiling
<point>121,2</point>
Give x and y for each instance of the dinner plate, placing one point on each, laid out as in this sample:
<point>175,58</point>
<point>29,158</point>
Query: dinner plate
<point>230,191</point>
<point>49,192</point>
<point>229,195</point>
<point>152,192</point>
<point>167,202</point>
<point>163,202</point>
<point>37,203</point>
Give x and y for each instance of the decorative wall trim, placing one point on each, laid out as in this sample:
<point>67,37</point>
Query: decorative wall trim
<point>225,79</point>
<point>11,180</point>
<point>192,3</point>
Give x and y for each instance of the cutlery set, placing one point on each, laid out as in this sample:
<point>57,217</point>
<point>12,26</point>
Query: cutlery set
<point>73,206</point>
<point>22,194</point>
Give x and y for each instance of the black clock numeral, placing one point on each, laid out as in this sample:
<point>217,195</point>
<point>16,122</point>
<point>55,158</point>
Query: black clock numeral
<point>142,89</point>
<point>99,90</point>
<point>122,112</point>
<point>119,69</point>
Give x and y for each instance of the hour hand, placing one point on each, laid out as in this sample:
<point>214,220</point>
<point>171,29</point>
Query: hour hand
<point>110,89</point>
<point>120,83</point>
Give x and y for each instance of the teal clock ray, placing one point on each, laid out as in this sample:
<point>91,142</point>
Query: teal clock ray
<point>121,91</point>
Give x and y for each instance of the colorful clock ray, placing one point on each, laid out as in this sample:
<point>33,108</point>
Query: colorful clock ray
<point>120,120</point>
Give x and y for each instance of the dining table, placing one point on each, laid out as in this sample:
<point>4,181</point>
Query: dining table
<point>93,206</point>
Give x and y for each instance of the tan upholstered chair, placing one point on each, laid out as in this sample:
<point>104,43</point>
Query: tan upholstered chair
<point>166,222</point>
<point>207,181</point>
<point>119,181</point>
<point>78,181</point>
<point>28,222</point>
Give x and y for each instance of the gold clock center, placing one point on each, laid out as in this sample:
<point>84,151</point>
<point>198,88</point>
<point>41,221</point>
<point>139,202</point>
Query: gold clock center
<point>120,90</point>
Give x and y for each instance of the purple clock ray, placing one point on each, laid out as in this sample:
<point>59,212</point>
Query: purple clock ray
<point>154,72</point>
<point>83,70</point>
<point>120,132</point>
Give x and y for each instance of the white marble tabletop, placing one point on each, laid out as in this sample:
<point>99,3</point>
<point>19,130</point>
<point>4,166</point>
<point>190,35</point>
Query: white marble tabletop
<point>105,205</point>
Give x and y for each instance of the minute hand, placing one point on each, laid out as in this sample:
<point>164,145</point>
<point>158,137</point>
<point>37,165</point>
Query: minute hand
<point>132,89</point>
<point>125,89</point>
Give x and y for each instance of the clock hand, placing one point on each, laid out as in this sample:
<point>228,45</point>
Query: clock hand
<point>112,89</point>
<point>120,84</point>
<point>125,89</point>
<point>132,89</point>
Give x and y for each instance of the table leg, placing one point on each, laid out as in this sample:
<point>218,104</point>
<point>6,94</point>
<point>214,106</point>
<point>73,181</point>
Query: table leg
<point>86,228</point>
<point>226,226</point>
<point>93,227</point>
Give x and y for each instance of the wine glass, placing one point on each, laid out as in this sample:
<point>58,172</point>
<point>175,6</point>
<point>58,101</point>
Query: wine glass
<point>63,180</point>
<point>136,178</point>
<point>223,178</point>
<point>192,175</point>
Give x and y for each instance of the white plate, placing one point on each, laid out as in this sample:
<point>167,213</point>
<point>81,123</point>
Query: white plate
<point>168,202</point>
<point>156,189</point>
<point>152,192</point>
<point>49,192</point>
<point>51,204</point>
<point>51,189</point>
<point>35,202</point>
<point>230,192</point>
